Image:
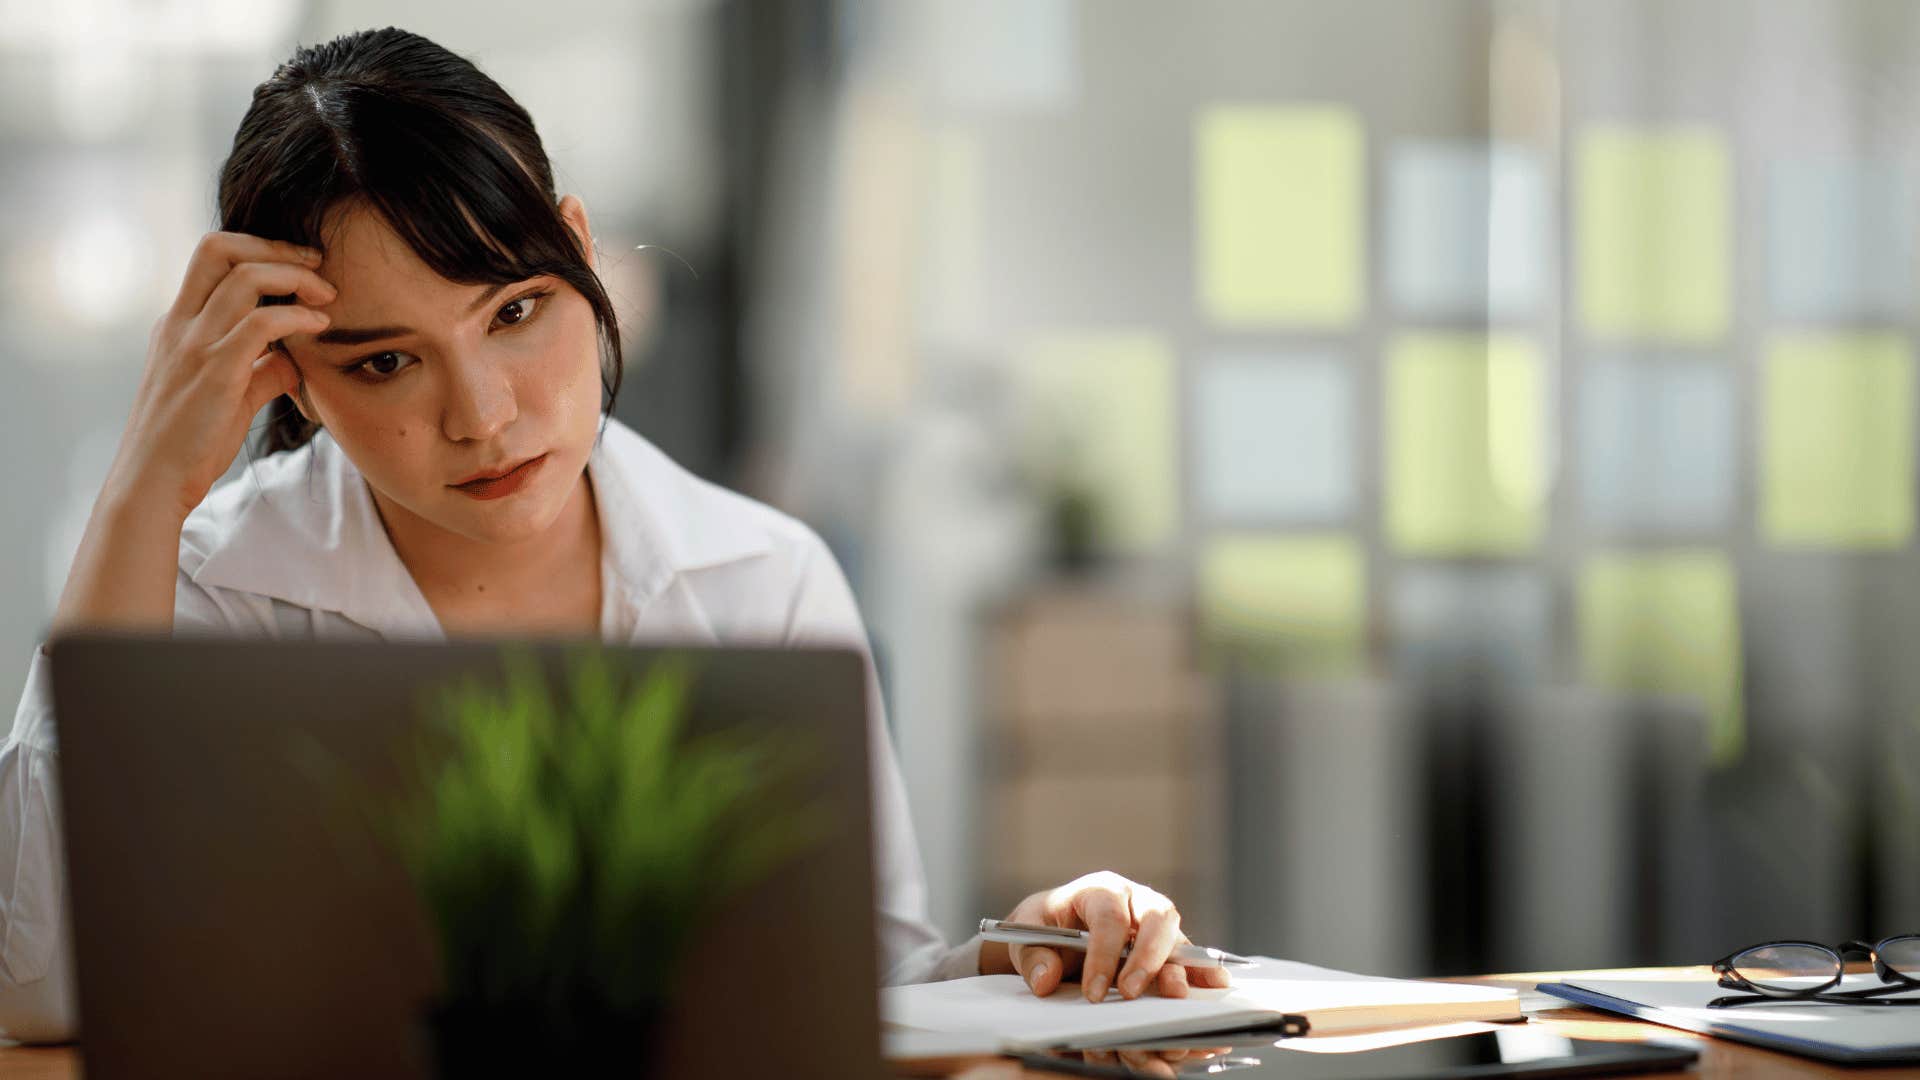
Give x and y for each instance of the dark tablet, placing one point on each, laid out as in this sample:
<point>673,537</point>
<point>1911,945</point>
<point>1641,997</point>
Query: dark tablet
<point>1517,1051</point>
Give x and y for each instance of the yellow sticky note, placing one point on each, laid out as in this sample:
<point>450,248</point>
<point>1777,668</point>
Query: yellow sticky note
<point>1281,211</point>
<point>1837,457</point>
<point>1653,234</point>
<point>1295,603</point>
<point>1667,623</point>
<point>1099,412</point>
<point>1466,455</point>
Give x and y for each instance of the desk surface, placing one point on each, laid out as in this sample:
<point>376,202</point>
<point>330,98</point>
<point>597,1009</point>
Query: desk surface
<point>1719,1060</point>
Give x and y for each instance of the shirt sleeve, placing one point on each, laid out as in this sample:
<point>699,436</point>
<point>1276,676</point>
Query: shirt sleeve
<point>911,950</point>
<point>37,1002</point>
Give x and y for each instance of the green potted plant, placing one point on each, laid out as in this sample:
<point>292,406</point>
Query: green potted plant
<point>567,849</point>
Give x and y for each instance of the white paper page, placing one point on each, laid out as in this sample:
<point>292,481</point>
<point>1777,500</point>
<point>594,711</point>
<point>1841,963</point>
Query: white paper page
<point>1002,1004</point>
<point>1855,1027</point>
<point>905,1044</point>
<point>1289,987</point>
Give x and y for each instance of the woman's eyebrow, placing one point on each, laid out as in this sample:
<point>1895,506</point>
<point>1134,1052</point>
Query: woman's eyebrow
<point>356,335</point>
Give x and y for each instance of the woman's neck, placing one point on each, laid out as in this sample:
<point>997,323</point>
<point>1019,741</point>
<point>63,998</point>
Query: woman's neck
<point>458,574</point>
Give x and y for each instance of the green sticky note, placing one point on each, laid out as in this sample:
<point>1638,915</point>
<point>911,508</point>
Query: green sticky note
<point>1837,450</point>
<point>1291,603</point>
<point>1099,422</point>
<point>1281,209</point>
<point>1667,623</point>
<point>1653,234</point>
<point>1466,455</point>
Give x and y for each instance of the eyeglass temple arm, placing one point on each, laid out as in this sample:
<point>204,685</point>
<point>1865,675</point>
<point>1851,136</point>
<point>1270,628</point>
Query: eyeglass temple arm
<point>1828,998</point>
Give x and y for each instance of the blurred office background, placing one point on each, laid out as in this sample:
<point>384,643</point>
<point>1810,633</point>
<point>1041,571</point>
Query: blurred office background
<point>1428,483</point>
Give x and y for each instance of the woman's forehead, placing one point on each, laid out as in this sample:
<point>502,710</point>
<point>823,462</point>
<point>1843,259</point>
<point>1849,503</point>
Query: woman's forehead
<point>375,270</point>
<point>359,246</point>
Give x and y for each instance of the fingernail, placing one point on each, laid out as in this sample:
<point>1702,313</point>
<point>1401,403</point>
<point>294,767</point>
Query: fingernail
<point>1135,983</point>
<point>1098,988</point>
<point>311,255</point>
<point>1035,974</point>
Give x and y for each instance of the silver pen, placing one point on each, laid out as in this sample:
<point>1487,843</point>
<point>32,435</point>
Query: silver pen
<point>1061,937</point>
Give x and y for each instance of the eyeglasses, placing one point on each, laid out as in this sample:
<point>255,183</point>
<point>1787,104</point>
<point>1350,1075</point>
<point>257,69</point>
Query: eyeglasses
<point>1784,971</point>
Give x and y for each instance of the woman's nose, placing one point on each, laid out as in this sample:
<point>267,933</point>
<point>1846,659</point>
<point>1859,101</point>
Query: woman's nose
<point>479,404</point>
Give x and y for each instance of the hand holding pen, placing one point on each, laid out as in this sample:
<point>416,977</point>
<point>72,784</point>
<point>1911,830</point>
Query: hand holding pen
<point>1060,937</point>
<point>1124,921</point>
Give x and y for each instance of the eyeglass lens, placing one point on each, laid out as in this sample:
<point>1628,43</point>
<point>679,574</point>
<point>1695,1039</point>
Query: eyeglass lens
<point>1788,967</point>
<point>1902,954</point>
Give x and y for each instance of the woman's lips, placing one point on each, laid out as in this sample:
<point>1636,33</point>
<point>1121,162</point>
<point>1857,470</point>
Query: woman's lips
<point>501,486</point>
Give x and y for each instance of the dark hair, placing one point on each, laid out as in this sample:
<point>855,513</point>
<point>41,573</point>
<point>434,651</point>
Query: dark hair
<point>428,141</point>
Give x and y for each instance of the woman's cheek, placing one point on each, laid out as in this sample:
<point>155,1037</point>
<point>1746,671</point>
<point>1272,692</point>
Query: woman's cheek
<point>378,437</point>
<point>569,374</point>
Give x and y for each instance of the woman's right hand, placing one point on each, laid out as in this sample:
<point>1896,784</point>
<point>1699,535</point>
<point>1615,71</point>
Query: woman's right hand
<point>209,370</point>
<point>210,366</point>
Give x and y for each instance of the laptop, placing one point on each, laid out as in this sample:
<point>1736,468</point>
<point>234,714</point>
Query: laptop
<point>235,914</point>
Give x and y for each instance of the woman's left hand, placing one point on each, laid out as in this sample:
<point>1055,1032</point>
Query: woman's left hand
<point>1114,911</point>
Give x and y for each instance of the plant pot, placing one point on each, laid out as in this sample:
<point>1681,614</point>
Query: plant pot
<point>466,1040</point>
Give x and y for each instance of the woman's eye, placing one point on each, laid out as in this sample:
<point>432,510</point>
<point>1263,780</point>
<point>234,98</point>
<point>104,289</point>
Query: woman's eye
<point>382,366</point>
<point>385,364</point>
<point>521,310</point>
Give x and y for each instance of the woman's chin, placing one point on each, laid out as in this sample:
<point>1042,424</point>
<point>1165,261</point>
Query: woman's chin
<point>500,521</point>
<point>506,526</point>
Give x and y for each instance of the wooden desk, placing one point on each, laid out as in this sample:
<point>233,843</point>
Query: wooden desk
<point>36,1063</point>
<point>1719,1060</point>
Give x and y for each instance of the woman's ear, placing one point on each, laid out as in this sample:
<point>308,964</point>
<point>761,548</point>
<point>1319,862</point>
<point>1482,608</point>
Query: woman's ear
<point>575,213</point>
<point>298,394</point>
<point>305,405</point>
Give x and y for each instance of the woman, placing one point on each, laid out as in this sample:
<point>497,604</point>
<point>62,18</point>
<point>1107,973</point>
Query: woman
<point>394,273</point>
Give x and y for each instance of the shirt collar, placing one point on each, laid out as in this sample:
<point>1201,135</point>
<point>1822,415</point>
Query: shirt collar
<point>302,527</point>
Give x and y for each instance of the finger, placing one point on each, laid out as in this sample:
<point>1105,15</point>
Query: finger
<point>1146,1063</point>
<point>1109,923</point>
<point>256,333</point>
<point>273,375</point>
<point>241,291</point>
<point>1172,981</point>
<point>1041,967</point>
<point>1073,961</point>
<point>219,252</point>
<point>1156,932</point>
<point>1215,978</point>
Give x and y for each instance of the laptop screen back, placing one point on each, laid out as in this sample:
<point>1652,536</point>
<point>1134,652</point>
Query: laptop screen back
<point>237,913</point>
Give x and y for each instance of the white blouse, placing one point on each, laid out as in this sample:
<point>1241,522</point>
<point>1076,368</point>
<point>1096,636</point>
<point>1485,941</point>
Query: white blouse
<point>294,548</point>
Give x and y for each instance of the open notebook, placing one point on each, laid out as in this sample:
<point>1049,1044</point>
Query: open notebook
<point>1290,997</point>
